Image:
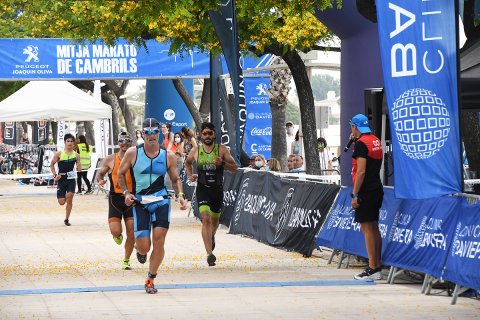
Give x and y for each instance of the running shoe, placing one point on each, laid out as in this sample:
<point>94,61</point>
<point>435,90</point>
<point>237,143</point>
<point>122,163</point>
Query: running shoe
<point>67,223</point>
<point>88,191</point>
<point>141,258</point>
<point>118,239</point>
<point>150,287</point>
<point>126,264</point>
<point>213,242</point>
<point>211,260</point>
<point>369,273</point>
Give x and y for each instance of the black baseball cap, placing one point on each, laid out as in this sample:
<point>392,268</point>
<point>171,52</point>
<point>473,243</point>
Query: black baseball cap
<point>151,123</point>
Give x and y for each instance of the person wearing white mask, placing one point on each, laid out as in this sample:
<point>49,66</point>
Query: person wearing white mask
<point>261,163</point>
<point>177,147</point>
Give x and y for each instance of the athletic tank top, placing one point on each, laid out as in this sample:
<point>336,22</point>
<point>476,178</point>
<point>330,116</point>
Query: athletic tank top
<point>148,174</point>
<point>66,163</point>
<point>114,188</point>
<point>208,173</point>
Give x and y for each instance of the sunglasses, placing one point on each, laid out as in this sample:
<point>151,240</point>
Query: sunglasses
<point>151,131</point>
<point>208,133</point>
<point>122,140</point>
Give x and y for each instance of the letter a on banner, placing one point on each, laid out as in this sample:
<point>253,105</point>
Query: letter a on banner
<point>225,24</point>
<point>419,59</point>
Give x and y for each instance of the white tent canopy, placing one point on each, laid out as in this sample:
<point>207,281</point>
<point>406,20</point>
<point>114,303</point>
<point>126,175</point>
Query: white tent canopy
<point>52,101</point>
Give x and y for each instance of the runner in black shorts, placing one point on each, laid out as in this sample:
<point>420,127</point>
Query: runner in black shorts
<point>66,161</point>
<point>117,209</point>
<point>211,159</point>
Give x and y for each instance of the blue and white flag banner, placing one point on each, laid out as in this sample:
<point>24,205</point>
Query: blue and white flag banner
<point>418,49</point>
<point>463,262</point>
<point>258,132</point>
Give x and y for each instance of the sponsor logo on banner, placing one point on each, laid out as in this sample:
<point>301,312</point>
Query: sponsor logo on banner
<point>169,114</point>
<point>262,89</point>
<point>260,148</point>
<point>31,66</point>
<point>261,131</point>
<point>32,53</point>
<point>422,123</point>
<point>466,243</point>
<point>284,213</point>
<point>241,200</point>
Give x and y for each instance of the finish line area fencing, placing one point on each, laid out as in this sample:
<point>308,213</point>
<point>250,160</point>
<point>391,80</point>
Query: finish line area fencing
<point>437,237</point>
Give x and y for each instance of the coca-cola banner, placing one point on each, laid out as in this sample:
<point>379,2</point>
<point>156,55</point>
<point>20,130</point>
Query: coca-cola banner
<point>258,131</point>
<point>281,213</point>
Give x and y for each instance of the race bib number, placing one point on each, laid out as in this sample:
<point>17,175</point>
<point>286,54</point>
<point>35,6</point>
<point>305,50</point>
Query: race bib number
<point>71,175</point>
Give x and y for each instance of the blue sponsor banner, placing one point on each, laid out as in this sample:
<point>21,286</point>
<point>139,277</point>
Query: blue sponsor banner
<point>421,234</point>
<point>63,59</point>
<point>258,132</point>
<point>463,262</point>
<point>341,232</point>
<point>34,59</point>
<point>418,49</point>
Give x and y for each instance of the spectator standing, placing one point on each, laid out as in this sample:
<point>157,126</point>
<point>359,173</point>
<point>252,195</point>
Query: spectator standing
<point>290,162</point>
<point>85,152</point>
<point>290,135</point>
<point>325,162</point>
<point>260,163</point>
<point>296,144</point>
<point>138,134</point>
<point>24,139</point>
<point>274,165</point>
<point>189,140</point>
<point>168,136</point>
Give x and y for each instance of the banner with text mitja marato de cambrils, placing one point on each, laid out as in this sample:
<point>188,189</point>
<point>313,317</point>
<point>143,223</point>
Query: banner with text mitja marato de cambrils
<point>418,49</point>
<point>30,59</point>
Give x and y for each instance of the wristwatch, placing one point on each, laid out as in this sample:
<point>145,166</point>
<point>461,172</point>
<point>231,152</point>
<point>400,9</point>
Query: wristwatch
<point>354,195</point>
<point>125,191</point>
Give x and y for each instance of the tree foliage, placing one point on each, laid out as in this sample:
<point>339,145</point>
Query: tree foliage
<point>280,27</point>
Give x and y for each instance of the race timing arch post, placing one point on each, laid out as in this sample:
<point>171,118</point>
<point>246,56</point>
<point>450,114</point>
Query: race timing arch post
<point>163,103</point>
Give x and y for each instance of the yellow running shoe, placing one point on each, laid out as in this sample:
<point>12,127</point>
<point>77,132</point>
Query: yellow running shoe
<point>118,239</point>
<point>126,264</point>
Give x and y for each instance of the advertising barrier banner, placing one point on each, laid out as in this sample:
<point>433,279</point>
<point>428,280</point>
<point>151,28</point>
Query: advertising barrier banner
<point>419,60</point>
<point>281,213</point>
<point>258,131</point>
<point>421,234</point>
<point>341,232</point>
<point>463,262</point>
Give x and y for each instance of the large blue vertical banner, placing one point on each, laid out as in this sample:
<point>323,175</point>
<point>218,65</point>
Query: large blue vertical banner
<point>418,49</point>
<point>258,131</point>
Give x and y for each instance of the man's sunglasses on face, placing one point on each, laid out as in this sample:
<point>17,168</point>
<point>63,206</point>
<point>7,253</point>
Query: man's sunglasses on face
<point>122,140</point>
<point>150,131</point>
<point>208,133</point>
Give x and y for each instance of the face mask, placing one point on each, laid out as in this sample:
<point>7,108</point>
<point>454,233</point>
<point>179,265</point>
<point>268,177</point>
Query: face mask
<point>290,130</point>
<point>164,131</point>
<point>259,164</point>
<point>177,140</point>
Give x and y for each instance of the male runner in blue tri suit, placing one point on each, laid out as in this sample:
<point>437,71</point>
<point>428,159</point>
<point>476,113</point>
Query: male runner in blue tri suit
<point>148,164</point>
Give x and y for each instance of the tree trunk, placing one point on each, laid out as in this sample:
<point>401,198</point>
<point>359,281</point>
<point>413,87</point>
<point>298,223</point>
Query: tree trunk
<point>89,131</point>
<point>279,141</point>
<point>205,101</point>
<point>118,89</point>
<point>307,110</point>
<point>113,101</point>
<point>188,101</point>
<point>471,137</point>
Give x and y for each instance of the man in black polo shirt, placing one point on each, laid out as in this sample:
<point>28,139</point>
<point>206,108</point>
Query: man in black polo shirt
<point>367,193</point>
